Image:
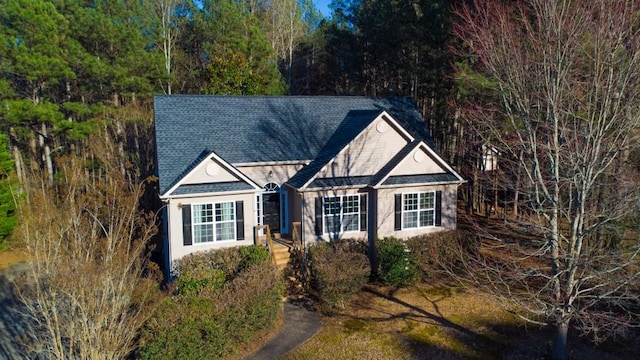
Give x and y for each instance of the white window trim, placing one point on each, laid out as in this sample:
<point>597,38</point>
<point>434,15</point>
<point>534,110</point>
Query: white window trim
<point>417,211</point>
<point>324,216</point>
<point>259,213</point>
<point>213,223</point>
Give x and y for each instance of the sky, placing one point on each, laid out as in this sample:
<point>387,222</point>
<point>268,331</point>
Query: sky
<point>323,6</point>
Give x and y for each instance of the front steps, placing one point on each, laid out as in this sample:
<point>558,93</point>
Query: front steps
<point>281,253</point>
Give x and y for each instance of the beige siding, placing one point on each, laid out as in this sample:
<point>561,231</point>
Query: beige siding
<point>217,173</point>
<point>386,210</point>
<point>295,201</point>
<point>260,174</point>
<point>414,164</point>
<point>176,247</point>
<point>308,220</point>
<point>368,153</point>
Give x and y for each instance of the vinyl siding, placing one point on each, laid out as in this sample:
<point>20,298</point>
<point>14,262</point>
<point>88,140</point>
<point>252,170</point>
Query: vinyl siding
<point>368,153</point>
<point>200,176</point>
<point>385,211</point>
<point>409,165</point>
<point>309,216</point>
<point>176,247</point>
<point>260,173</point>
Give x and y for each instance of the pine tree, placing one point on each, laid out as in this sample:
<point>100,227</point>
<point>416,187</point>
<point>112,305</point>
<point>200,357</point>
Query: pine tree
<point>7,191</point>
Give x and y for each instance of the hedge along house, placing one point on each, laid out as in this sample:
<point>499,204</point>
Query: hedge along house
<point>354,167</point>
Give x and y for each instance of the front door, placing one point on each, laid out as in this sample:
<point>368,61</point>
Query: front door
<point>271,205</point>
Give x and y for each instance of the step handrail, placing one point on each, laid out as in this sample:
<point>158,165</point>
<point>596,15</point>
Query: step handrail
<point>269,240</point>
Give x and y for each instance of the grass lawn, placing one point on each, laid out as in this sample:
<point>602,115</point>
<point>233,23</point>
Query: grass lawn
<point>437,322</point>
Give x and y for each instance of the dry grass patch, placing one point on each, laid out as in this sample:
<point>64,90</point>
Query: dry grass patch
<point>10,257</point>
<point>340,339</point>
<point>419,322</point>
<point>438,322</point>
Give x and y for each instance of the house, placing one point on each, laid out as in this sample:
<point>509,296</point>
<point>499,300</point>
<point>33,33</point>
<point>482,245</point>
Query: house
<point>355,167</point>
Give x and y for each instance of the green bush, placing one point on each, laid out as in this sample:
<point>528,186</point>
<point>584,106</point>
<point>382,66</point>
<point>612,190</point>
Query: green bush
<point>214,267</point>
<point>442,251</point>
<point>213,321</point>
<point>228,260</point>
<point>338,270</point>
<point>397,266</point>
<point>253,255</point>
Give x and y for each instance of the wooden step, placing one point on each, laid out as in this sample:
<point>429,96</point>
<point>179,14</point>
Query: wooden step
<point>281,254</point>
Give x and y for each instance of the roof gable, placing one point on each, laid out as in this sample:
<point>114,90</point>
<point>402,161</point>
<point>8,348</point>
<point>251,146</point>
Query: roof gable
<point>416,163</point>
<point>250,129</point>
<point>210,174</point>
<point>353,127</point>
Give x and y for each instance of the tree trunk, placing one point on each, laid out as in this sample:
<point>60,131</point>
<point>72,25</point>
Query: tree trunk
<point>17,158</point>
<point>18,162</point>
<point>516,192</point>
<point>44,144</point>
<point>560,342</point>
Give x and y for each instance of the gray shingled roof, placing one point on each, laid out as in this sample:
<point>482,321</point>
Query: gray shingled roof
<point>421,179</point>
<point>322,183</point>
<point>245,129</point>
<point>211,188</point>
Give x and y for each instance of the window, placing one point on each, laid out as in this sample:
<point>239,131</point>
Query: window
<point>341,214</point>
<point>214,222</point>
<point>225,221</point>
<point>271,187</point>
<point>418,210</point>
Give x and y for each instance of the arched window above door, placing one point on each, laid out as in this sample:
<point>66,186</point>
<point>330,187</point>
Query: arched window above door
<point>271,187</point>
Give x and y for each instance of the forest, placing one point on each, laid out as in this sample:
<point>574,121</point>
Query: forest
<point>535,102</point>
<point>74,69</point>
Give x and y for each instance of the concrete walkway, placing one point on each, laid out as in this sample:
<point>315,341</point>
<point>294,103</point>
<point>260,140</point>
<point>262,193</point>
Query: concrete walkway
<point>300,324</point>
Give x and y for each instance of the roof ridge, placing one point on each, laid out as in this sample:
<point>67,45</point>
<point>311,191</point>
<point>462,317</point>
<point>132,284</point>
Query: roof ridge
<point>244,129</point>
<point>283,96</point>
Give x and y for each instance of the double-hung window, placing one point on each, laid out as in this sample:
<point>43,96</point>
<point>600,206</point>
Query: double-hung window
<point>418,210</point>
<point>214,222</point>
<point>341,214</point>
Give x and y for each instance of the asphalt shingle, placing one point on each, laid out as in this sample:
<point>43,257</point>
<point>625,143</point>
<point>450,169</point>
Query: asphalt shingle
<point>246,129</point>
<point>322,183</point>
<point>421,179</point>
<point>211,188</point>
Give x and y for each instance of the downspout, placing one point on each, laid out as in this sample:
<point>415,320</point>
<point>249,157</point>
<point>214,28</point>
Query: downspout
<point>166,249</point>
<point>372,228</point>
<point>303,204</point>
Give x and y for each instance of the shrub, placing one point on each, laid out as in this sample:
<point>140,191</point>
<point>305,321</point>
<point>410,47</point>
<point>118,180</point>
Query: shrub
<point>397,265</point>
<point>213,321</point>
<point>338,270</point>
<point>253,255</point>
<point>212,268</point>
<point>442,251</point>
<point>228,260</point>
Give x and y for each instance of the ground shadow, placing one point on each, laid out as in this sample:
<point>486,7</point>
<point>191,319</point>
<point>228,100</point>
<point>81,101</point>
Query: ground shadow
<point>465,342</point>
<point>13,329</point>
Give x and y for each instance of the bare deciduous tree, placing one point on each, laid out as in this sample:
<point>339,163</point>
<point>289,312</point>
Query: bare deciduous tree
<point>84,293</point>
<point>165,10</point>
<point>285,29</point>
<point>567,75</point>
